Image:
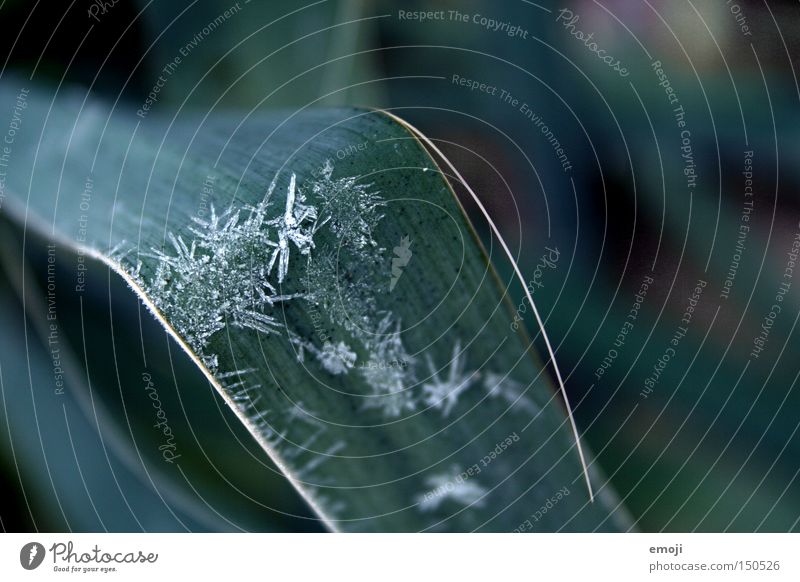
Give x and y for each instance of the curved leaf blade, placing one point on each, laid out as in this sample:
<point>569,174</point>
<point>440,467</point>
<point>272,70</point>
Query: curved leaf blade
<point>318,268</point>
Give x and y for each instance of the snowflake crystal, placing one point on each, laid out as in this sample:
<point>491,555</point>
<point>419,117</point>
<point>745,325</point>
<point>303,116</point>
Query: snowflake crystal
<point>292,227</point>
<point>221,277</point>
<point>453,487</point>
<point>442,393</point>
<point>352,208</point>
<point>387,380</point>
<point>511,391</point>
<point>335,358</point>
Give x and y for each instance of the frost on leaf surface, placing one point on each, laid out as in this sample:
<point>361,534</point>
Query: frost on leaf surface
<point>335,358</point>
<point>349,305</point>
<point>510,391</point>
<point>354,210</point>
<point>231,272</point>
<point>296,226</point>
<point>453,486</point>
<point>222,276</point>
<point>443,389</point>
<point>389,370</point>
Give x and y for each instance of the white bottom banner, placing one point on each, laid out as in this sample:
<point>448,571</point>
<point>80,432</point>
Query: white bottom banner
<point>356,557</point>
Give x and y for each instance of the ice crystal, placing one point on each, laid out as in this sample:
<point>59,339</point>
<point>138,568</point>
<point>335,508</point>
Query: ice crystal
<point>299,423</point>
<point>353,209</point>
<point>335,358</point>
<point>297,225</point>
<point>511,391</point>
<point>222,276</point>
<point>389,383</point>
<point>318,458</point>
<point>451,486</point>
<point>332,505</point>
<point>349,304</point>
<point>246,396</point>
<point>306,459</point>
<point>442,392</point>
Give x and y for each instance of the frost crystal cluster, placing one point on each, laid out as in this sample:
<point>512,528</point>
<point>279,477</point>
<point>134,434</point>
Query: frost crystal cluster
<point>223,275</point>
<point>453,487</point>
<point>388,370</point>
<point>442,390</point>
<point>234,271</point>
<point>314,245</point>
<point>352,207</point>
<point>373,346</point>
<point>292,227</point>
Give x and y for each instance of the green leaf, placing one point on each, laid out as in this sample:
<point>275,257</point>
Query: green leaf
<point>96,411</point>
<point>318,269</point>
<point>73,477</point>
